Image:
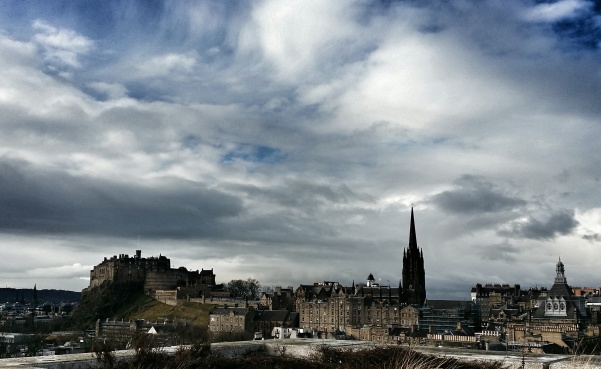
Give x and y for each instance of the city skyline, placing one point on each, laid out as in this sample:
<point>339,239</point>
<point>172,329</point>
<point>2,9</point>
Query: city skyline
<point>288,141</point>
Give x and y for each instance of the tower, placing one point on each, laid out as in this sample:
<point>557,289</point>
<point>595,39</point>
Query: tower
<point>414,274</point>
<point>560,273</point>
<point>35,296</point>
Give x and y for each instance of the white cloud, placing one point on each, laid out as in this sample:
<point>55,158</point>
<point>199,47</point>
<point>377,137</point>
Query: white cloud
<point>111,90</point>
<point>168,65</point>
<point>590,224</point>
<point>298,38</point>
<point>61,272</point>
<point>368,108</point>
<point>556,11</point>
<point>62,46</point>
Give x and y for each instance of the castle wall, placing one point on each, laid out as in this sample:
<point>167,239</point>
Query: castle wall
<point>168,297</point>
<point>155,273</point>
<point>165,279</point>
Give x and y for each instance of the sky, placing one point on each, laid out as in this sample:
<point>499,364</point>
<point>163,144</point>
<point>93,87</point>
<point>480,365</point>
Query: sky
<point>287,141</point>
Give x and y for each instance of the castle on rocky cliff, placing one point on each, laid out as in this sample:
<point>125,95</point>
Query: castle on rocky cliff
<point>154,273</point>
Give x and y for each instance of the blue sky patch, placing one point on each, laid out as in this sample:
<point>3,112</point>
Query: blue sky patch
<point>255,154</point>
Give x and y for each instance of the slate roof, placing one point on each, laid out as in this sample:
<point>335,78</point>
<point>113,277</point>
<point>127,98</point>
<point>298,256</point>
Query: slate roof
<point>447,304</point>
<point>384,291</point>
<point>271,315</point>
<point>323,291</point>
<point>227,311</point>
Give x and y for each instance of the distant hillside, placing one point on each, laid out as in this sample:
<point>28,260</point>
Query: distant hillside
<point>26,295</point>
<point>127,301</point>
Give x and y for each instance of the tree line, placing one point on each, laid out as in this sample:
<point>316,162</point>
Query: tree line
<point>247,289</point>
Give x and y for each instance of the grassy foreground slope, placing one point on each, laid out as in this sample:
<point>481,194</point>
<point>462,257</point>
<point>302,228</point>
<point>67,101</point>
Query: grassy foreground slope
<point>145,307</point>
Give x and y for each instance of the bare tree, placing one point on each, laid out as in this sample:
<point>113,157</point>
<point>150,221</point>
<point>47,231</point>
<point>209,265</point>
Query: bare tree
<point>247,289</point>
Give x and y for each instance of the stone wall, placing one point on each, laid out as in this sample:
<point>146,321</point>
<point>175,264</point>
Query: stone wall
<point>168,297</point>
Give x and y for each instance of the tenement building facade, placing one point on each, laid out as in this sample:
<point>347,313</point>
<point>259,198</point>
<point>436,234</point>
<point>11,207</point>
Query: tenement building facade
<point>330,308</point>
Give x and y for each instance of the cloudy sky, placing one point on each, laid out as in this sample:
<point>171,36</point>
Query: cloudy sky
<point>287,141</point>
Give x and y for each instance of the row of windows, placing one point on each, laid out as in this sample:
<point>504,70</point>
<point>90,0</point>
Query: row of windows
<point>556,306</point>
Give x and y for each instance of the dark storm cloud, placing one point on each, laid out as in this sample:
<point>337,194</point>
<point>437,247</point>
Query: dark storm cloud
<point>593,237</point>
<point>302,194</point>
<point>41,201</point>
<point>246,134</point>
<point>500,252</point>
<point>475,195</point>
<point>561,223</point>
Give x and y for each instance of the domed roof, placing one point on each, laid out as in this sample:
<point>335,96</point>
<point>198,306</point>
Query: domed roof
<point>370,277</point>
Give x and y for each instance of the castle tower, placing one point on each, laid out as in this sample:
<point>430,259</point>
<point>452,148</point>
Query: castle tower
<point>414,274</point>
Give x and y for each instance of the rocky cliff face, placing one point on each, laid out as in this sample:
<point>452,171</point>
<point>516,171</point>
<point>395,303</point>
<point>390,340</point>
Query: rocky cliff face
<point>103,302</point>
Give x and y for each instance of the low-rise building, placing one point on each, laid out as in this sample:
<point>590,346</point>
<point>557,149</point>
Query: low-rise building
<point>228,320</point>
<point>246,322</point>
<point>441,316</point>
<point>265,321</point>
<point>125,331</point>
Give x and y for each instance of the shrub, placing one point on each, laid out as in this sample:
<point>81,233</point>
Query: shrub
<point>199,356</point>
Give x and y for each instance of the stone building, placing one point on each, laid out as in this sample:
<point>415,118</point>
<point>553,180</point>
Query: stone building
<point>265,321</point>
<point>154,273</point>
<point>559,318</point>
<point>491,297</point>
<point>228,320</point>
<point>280,299</point>
<point>246,322</point>
<point>122,332</point>
<point>499,303</point>
<point>330,308</point>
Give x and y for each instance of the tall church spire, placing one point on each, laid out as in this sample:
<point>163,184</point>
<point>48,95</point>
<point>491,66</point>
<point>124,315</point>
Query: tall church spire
<point>414,274</point>
<point>412,236</point>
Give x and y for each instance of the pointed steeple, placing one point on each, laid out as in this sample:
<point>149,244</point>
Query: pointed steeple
<point>414,280</point>
<point>35,295</point>
<point>412,236</point>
